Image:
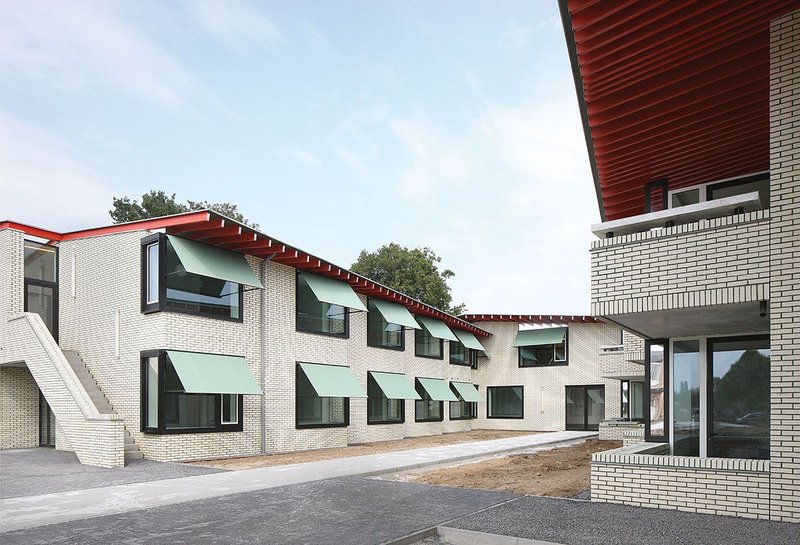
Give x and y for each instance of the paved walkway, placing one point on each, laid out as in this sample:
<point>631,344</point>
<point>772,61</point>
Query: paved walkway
<point>32,511</point>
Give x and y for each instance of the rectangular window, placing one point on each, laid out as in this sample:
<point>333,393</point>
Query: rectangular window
<point>427,346</point>
<point>656,396</point>
<point>380,409</point>
<point>586,407</point>
<point>739,397</point>
<point>632,400</point>
<point>543,355</point>
<point>426,409</point>
<point>740,187</point>
<point>168,408</point>
<point>314,316</point>
<point>382,334</point>
<point>461,355</point>
<point>314,411</point>
<point>462,410</point>
<point>686,398</point>
<point>504,402</point>
<point>168,286</point>
<point>40,283</point>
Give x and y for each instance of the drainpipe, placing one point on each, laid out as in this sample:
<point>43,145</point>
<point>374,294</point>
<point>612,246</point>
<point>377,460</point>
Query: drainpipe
<point>263,350</point>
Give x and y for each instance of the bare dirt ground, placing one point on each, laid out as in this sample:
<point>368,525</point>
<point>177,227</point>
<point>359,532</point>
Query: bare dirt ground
<point>252,462</point>
<point>562,472</point>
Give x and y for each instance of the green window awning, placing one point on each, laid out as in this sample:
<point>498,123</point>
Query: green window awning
<point>437,329</point>
<point>467,391</point>
<point>437,388</point>
<point>539,337</point>
<point>328,290</point>
<point>469,340</point>
<point>395,385</point>
<point>213,373</point>
<point>395,314</point>
<point>332,380</point>
<point>213,262</point>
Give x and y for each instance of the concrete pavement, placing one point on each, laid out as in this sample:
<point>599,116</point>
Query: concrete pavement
<point>31,511</point>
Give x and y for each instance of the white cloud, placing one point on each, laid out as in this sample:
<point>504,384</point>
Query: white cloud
<point>84,45</point>
<point>41,181</point>
<point>237,24</point>
<point>298,156</point>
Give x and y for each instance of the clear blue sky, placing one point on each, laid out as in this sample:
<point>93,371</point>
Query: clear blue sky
<point>336,126</point>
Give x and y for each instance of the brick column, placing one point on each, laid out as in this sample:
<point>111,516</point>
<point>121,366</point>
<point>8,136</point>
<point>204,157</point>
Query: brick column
<point>11,272</point>
<point>784,96</point>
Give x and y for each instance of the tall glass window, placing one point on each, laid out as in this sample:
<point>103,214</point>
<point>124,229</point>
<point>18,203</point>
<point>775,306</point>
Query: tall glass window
<point>152,273</point>
<point>426,345</point>
<point>381,333</point>
<point>740,405</point>
<point>380,409</point>
<point>656,373</point>
<point>314,316</point>
<point>686,398</point>
<point>41,283</point>
<point>632,400</point>
<point>505,402</point>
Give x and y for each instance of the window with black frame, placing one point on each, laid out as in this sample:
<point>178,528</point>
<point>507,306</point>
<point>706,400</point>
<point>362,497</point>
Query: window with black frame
<point>168,408</point>
<point>543,355</point>
<point>632,400</point>
<point>426,409</point>
<point>380,409</point>
<point>382,334</point>
<point>504,402</point>
<point>427,346</point>
<point>315,316</point>
<point>462,410</point>
<point>315,411</point>
<point>461,355</point>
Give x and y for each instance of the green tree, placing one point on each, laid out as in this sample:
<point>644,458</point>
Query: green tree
<point>413,271</point>
<point>156,203</point>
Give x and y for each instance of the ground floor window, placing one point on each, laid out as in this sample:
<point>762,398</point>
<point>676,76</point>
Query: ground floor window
<point>504,402</point>
<point>314,411</point>
<point>426,409</point>
<point>380,409</point>
<point>632,400</point>
<point>586,407</point>
<point>168,408</point>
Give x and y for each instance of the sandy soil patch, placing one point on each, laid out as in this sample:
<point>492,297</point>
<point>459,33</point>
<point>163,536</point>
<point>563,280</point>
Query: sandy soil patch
<point>562,472</point>
<point>251,462</point>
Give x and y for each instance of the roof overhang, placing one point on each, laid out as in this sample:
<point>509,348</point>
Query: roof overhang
<point>209,227</point>
<point>670,89</point>
<point>532,319</point>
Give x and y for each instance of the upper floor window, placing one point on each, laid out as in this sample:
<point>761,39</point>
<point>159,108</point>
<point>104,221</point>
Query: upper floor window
<point>380,332</point>
<point>542,347</point>
<point>461,355</point>
<point>181,275</point>
<point>323,305</point>
<point>758,183</point>
<point>427,346</point>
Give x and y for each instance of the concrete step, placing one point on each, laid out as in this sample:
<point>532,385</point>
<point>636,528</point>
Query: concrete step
<point>130,447</point>
<point>133,455</point>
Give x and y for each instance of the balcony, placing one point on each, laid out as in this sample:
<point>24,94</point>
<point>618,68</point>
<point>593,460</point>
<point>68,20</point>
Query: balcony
<point>703,270</point>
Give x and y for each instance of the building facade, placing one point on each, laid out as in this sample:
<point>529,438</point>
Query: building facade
<point>195,337</point>
<point>693,129</point>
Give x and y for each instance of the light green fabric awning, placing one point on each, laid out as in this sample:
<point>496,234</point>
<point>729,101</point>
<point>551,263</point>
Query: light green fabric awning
<point>332,380</point>
<point>328,290</point>
<point>214,262</point>
<point>469,340</point>
<point>437,329</point>
<point>213,373</point>
<point>539,337</point>
<point>467,391</point>
<point>395,385</point>
<point>437,389</point>
<point>395,314</point>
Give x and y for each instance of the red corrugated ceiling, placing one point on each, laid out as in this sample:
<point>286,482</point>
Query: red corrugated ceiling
<point>674,89</point>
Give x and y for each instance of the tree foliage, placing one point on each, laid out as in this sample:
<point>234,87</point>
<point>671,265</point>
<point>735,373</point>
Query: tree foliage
<point>156,203</point>
<point>413,271</point>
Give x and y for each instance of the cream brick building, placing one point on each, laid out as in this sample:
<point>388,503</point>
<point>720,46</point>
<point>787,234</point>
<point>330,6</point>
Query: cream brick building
<point>158,338</point>
<point>692,122</point>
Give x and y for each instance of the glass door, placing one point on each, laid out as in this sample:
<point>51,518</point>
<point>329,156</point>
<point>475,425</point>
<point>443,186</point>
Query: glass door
<point>586,407</point>
<point>686,398</point>
<point>41,283</point>
<point>576,408</point>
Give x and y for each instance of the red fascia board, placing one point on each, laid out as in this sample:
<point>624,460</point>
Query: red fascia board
<point>530,318</point>
<point>148,224</point>
<point>31,230</point>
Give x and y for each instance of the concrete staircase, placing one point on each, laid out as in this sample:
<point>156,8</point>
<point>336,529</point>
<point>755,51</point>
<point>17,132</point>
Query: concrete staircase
<point>99,399</point>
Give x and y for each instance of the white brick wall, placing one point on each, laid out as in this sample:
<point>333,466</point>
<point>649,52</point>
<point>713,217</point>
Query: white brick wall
<point>545,387</point>
<point>19,408</point>
<point>784,262</point>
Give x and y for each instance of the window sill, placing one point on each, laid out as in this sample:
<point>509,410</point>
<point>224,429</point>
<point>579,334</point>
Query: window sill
<point>323,334</point>
<point>385,423</point>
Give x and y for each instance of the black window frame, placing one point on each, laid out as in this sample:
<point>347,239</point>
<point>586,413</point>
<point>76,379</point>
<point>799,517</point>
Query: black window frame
<point>162,429</point>
<point>489,404</point>
<point>161,305</point>
<point>416,351</point>
<point>423,393</point>
<point>763,177</point>
<point>585,389</point>
<point>26,282</point>
<point>555,363</point>
<point>299,329</point>
<point>297,424</point>
<point>370,381</point>
<point>648,436</point>
<point>470,355</point>
<point>661,183</point>
<point>472,406</point>
<point>629,418</point>
<point>400,348</point>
